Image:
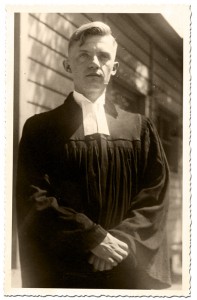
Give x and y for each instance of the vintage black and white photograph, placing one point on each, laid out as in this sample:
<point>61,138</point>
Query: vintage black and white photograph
<point>99,110</point>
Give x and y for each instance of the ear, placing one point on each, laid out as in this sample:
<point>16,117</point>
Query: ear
<point>115,68</point>
<point>67,66</point>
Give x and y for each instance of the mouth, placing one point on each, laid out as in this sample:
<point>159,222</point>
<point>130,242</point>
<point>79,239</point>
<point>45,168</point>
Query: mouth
<point>94,75</point>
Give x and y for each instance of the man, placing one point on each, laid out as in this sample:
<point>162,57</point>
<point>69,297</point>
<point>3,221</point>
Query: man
<point>91,184</point>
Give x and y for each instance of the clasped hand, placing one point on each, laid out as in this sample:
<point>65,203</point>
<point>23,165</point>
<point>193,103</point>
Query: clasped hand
<point>108,253</point>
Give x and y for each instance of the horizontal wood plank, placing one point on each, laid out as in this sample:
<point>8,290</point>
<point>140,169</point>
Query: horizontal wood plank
<point>44,95</point>
<point>164,62</point>
<point>47,57</point>
<point>47,36</point>
<point>123,24</point>
<point>128,44</point>
<point>165,88</point>
<point>56,23</point>
<point>76,19</point>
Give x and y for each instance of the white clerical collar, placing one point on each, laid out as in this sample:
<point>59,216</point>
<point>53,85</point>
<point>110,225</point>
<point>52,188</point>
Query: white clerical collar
<point>94,118</point>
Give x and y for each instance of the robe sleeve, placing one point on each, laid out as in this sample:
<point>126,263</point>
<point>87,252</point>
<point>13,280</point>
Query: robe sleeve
<point>144,226</point>
<point>38,213</point>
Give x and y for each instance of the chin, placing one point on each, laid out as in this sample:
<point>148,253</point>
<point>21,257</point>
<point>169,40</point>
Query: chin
<point>94,89</point>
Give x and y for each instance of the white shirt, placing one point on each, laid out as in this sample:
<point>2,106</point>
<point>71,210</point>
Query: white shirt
<point>94,118</point>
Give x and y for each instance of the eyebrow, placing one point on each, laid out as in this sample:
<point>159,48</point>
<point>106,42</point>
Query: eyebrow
<point>82,50</point>
<point>88,51</point>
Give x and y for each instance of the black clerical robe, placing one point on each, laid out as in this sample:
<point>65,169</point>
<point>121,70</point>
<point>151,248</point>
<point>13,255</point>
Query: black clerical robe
<point>73,189</point>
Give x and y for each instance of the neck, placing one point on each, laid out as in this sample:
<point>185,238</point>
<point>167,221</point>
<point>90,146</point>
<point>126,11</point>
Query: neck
<point>92,96</point>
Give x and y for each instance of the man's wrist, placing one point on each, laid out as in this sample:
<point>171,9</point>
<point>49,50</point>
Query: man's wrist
<point>93,237</point>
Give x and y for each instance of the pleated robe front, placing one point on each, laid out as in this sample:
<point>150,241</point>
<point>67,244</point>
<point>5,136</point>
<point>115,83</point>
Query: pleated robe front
<point>91,185</point>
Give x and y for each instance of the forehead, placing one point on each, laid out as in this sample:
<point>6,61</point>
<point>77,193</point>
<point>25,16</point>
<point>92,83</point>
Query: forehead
<point>105,43</point>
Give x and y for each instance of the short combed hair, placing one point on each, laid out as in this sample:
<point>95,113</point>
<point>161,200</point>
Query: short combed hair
<point>90,29</point>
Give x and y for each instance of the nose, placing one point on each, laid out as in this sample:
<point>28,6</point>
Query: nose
<point>94,63</point>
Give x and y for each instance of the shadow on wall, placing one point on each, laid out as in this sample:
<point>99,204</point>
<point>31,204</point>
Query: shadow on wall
<point>47,40</point>
<point>47,82</point>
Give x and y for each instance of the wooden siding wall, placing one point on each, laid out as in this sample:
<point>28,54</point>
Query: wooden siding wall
<point>145,67</point>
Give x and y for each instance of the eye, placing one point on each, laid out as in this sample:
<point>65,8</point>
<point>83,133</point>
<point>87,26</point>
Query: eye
<point>104,56</point>
<point>83,56</point>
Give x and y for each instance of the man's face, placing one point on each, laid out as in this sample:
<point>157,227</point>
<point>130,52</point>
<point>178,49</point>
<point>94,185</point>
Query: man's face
<point>92,64</point>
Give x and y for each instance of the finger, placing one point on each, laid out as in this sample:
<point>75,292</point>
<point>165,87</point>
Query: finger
<point>121,252</point>
<point>38,190</point>
<point>42,203</point>
<point>101,265</point>
<point>123,245</point>
<point>110,250</point>
<point>91,259</point>
<point>112,262</point>
<point>96,263</point>
<point>108,266</point>
<point>116,256</point>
